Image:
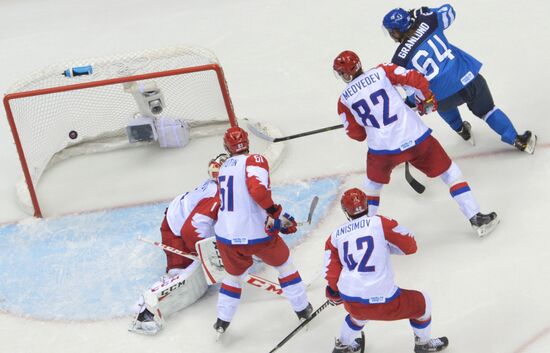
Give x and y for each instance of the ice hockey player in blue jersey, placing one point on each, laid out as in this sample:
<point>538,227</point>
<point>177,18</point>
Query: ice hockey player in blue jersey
<point>453,74</point>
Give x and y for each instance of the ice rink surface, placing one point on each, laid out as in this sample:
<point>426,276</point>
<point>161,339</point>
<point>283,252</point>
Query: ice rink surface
<point>489,295</point>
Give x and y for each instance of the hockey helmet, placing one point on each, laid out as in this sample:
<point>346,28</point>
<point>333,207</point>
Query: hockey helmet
<point>398,19</point>
<point>215,164</point>
<point>354,203</point>
<point>346,65</point>
<point>235,140</point>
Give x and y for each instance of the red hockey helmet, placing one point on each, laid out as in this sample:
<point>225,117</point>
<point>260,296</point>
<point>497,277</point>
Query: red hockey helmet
<point>347,64</point>
<point>235,140</point>
<point>215,164</point>
<point>354,202</point>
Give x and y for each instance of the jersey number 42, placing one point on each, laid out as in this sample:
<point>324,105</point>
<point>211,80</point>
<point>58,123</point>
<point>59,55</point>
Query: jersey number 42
<point>366,254</point>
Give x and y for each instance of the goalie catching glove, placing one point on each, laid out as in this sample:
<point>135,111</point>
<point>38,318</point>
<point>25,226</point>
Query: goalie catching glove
<point>426,106</point>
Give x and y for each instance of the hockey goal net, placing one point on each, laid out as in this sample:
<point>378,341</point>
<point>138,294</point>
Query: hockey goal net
<point>60,112</point>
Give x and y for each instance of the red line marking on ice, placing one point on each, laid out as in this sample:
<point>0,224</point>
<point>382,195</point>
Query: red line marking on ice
<point>538,336</point>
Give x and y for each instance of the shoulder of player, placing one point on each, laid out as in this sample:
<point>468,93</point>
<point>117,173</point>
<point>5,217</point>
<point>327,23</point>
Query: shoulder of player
<point>211,187</point>
<point>256,159</point>
<point>386,221</point>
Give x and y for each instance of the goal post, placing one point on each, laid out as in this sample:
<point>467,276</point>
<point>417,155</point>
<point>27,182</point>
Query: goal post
<point>56,110</point>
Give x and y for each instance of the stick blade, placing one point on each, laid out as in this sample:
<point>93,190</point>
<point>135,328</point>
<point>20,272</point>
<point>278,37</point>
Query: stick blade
<point>312,207</point>
<point>253,129</point>
<point>415,184</point>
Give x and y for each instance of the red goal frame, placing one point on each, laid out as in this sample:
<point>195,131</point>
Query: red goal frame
<point>12,96</point>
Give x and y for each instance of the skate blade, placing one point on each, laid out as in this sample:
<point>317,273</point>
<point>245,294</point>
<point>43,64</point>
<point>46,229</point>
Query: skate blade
<point>472,141</point>
<point>486,229</point>
<point>530,148</point>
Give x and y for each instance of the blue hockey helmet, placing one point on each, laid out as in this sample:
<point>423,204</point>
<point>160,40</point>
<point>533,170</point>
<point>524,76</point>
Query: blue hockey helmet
<point>398,19</point>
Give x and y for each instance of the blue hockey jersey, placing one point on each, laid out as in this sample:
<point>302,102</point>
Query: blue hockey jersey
<point>447,67</point>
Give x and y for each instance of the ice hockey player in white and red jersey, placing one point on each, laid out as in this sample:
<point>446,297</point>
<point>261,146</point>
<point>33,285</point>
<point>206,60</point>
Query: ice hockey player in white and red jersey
<point>359,275</point>
<point>188,219</point>
<point>370,106</point>
<point>249,222</point>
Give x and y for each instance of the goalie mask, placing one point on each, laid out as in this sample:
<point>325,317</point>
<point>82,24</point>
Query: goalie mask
<point>346,65</point>
<point>354,203</point>
<point>235,140</point>
<point>215,164</point>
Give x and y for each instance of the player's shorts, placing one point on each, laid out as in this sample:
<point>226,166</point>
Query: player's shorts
<point>410,304</point>
<point>475,94</point>
<point>170,239</point>
<point>238,258</point>
<point>428,157</point>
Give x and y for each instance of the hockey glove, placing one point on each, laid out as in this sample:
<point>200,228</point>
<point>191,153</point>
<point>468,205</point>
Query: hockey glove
<point>273,226</point>
<point>289,224</point>
<point>409,101</point>
<point>274,210</point>
<point>333,296</point>
<point>427,106</point>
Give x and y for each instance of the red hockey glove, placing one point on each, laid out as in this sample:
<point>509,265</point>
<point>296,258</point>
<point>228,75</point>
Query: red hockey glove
<point>274,210</point>
<point>289,224</point>
<point>427,106</point>
<point>333,296</point>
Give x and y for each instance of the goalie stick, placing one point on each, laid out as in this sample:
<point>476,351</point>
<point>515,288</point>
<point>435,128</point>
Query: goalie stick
<point>415,184</point>
<point>252,279</point>
<point>301,326</point>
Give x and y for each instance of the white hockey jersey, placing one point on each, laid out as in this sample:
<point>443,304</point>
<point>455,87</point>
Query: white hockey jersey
<point>244,195</point>
<point>371,106</point>
<point>357,258</point>
<point>181,207</point>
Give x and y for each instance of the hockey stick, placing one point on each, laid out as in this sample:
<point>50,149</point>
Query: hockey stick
<point>301,326</point>
<point>251,279</point>
<point>312,207</point>
<point>415,184</point>
<point>263,136</point>
<point>419,188</point>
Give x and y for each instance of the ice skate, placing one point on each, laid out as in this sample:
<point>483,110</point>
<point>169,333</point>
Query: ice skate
<point>526,142</point>
<point>220,326</point>
<point>357,347</point>
<point>145,324</point>
<point>432,345</point>
<point>306,313</point>
<point>484,224</point>
<point>466,133</point>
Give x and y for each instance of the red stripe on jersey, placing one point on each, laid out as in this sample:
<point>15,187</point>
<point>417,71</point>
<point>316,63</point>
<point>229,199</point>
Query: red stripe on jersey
<point>353,129</point>
<point>405,243</point>
<point>209,206</point>
<point>411,78</point>
<point>458,186</point>
<point>259,193</point>
<point>333,267</point>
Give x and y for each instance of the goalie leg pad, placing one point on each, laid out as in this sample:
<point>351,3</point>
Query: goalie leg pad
<point>174,292</point>
<point>182,290</point>
<point>212,265</point>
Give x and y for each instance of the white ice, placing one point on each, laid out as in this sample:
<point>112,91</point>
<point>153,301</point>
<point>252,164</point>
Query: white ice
<point>489,295</point>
